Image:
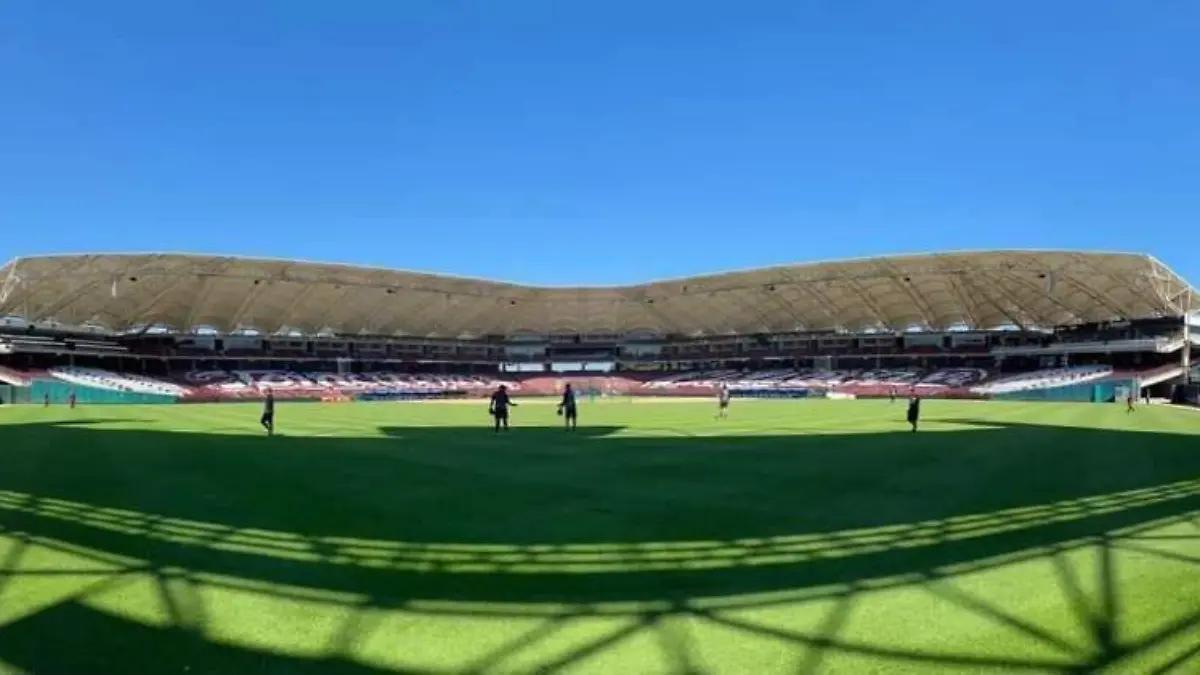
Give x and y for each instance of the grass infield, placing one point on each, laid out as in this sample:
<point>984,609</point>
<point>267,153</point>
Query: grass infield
<point>794,537</point>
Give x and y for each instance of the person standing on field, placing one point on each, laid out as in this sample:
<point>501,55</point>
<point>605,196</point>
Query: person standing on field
<point>568,409</point>
<point>914,411</point>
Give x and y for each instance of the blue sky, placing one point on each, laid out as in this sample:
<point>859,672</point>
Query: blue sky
<point>548,141</point>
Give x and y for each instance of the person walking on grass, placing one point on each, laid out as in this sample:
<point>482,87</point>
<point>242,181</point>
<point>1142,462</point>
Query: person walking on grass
<point>723,402</point>
<point>498,407</point>
<point>268,415</point>
<point>568,410</point>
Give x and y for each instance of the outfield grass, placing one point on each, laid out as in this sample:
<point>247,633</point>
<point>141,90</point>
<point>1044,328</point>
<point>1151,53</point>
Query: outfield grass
<point>796,537</point>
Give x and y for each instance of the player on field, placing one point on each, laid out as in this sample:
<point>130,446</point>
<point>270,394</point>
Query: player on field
<point>498,408</point>
<point>268,414</point>
<point>892,394</point>
<point>1129,401</point>
<point>723,402</point>
<point>914,411</point>
<point>567,408</point>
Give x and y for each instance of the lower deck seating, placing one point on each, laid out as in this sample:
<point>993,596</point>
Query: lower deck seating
<point>284,384</point>
<point>873,382</point>
<point>16,378</point>
<point>1045,379</point>
<point>104,379</point>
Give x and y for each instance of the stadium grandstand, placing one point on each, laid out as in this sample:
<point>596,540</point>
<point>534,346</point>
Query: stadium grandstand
<point>1054,325</point>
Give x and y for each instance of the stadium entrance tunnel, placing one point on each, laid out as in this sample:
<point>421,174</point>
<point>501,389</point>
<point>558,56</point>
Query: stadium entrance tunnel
<point>168,544</point>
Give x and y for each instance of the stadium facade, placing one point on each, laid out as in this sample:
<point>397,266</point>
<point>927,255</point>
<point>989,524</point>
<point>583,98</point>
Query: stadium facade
<point>1091,326</point>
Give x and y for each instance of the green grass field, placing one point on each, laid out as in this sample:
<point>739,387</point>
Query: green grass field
<point>796,537</point>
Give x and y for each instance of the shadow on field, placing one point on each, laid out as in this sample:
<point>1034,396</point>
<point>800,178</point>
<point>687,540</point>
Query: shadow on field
<point>437,521</point>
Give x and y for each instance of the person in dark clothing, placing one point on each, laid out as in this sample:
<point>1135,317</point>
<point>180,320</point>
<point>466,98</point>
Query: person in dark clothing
<point>914,411</point>
<point>268,414</point>
<point>1129,402</point>
<point>567,408</point>
<point>498,408</point>
<point>723,402</point>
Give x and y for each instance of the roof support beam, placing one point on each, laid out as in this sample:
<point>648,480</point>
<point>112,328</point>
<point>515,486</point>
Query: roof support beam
<point>140,313</point>
<point>1172,290</point>
<point>711,316</point>
<point>12,281</point>
<point>509,320</point>
<point>968,306</point>
<point>239,315</point>
<point>71,295</point>
<point>997,283</point>
<point>786,307</point>
<point>1100,298</point>
<point>709,312</point>
<point>418,311</point>
<point>65,299</point>
<point>335,307</point>
<point>814,298</point>
<point>438,315</point>
<point>798,316</point>
<point>472,318</point>
<point>288,314</point>
<point>835,313</point>
<point>391,314</point>
<point>881,316</point>
<point>764,295</point>
<point>1033,288</point>
<point>1012,318</point>
<point>900,280</point>
<point>649,306</point>
<point>199,303</point>
<point>367,322</point>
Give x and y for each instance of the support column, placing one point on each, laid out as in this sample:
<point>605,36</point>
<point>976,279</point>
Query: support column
<point>1186,358</point>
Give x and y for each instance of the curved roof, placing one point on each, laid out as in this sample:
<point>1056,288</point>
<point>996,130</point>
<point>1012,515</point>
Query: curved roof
<point>938,291</point>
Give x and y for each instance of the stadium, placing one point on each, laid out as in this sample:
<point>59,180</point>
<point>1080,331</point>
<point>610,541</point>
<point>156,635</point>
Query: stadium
<point>1046,517</point>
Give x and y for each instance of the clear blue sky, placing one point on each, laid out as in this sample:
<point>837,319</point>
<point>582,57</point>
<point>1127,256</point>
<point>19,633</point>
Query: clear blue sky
<point>604,141</point>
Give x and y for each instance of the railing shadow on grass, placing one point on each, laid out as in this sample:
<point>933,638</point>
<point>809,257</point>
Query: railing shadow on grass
<point>701,571</point>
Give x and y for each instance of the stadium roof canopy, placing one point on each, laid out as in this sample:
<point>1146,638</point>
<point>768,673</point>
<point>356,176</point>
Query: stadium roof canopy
<point>1023,289</point>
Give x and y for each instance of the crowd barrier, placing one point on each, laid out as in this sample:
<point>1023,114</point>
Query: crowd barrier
<point>692,391</point>
<point>411,395</point>
<point>252,397</point>
<point>957,394</point>
<point>781,392</point>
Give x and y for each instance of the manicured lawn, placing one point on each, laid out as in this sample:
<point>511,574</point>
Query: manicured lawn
<point>795,537</point>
